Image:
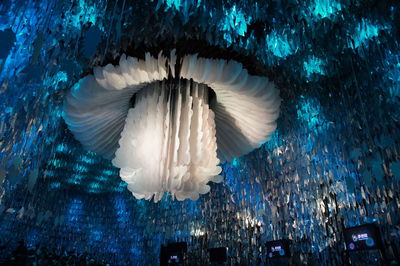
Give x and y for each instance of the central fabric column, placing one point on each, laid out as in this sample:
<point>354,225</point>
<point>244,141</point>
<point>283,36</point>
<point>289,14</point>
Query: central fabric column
<point>169,142</point>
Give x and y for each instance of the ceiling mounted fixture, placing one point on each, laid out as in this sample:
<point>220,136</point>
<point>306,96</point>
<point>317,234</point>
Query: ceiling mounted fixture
<point>168,122</point>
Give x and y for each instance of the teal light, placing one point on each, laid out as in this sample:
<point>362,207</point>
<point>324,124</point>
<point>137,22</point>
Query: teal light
<point>94,186</point>
<point>363,32</point>
<point>94,190</point>
<point>234,23</point>
<point>279,45</point>
<point>55,81</point>
<point>119,189</point>
<point>73,181</point>
<point>102,178</point>
<point>77,176</point>
<point>314,65</point>
<point>62,148</point>
<point>87,159</point>
<point>80,168</point>
<point>309,112</point>
<point>235,162</point>
<point>58,163</point>
<point>123,184</point>
<point>85,13</point>
<point>108,172</point>
<point>61,76</point>
<point>326,8</point>
<point>173,4</point>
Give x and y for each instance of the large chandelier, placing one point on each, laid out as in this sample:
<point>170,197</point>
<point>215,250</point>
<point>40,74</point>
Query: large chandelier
<point>168,122</point>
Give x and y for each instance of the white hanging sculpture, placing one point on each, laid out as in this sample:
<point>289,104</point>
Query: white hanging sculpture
<point>174,137</point>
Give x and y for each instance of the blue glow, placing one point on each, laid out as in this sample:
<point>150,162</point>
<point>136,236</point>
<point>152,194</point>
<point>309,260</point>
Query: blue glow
<point>62,147</point>
<point>234,23</point>
<point>305,162</point>
<point>32,239</point>
<point>80,168</point>
<point>309,111</point>
<point>326,8</point>
<point>122,213</point>
<point>55,80</point>
<point>83,14</point>
<point>74,213</point>
<point>87,159</point>
<point>363,32</point>
<point>108,172</point>
<point>235,162</point>
<point>96,235</point>
<point>94,187</point>
<point>102,178</point>
<point>314,65</point>
<point>77,176</point>
<point>58,163</point>
<point>173,4</point>
<point>279,45</point>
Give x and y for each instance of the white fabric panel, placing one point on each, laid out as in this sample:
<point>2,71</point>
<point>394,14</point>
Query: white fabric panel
<point>169,148</point>
<point>180,152</point>
<point>246,107</point>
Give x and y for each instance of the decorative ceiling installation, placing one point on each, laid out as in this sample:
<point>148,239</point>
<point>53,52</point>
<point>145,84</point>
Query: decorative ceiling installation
<point>328,166</point>
<point>167,142</point>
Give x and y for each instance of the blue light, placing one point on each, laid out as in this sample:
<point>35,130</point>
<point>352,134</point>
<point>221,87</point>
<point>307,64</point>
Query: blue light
<point>121,210</point>
<point>96,235</point>
<point>173,4</point>
<point>234,23</point>
<point>62,147</point>
<point>108,172</point>
<point>55,80</point>
<point>326,8</point>
<point>74,213</point>
<point>83,14</point>
<point>314,65</point>
<point>309,111</point>
<point>58,163</point>
<point>80,168</point>
<point>279,45</point>
<point>235,162</point>
<point>88,160</point>
<point>94,186</point>
<point>363,32</point>
<point>102,178</point>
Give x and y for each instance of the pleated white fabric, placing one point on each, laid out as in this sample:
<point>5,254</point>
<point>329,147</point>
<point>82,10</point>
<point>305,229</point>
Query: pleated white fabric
<point>169,147</point>
<point>166,142</point>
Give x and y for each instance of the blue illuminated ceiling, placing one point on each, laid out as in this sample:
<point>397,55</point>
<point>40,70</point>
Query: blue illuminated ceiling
<point>332,163</point>
<point>306,46</point>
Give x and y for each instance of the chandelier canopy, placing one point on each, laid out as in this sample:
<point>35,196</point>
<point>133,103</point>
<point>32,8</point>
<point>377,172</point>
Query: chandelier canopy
<point>167,123</point>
